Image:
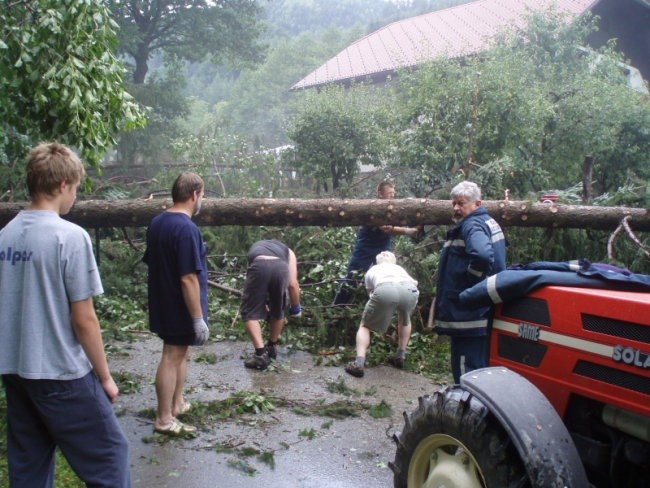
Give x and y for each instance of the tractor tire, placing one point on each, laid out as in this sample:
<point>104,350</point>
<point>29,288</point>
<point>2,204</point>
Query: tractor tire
<point>453,441</point>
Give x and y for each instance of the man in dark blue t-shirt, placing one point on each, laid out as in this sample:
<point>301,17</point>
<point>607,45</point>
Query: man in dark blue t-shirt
<point>370,241</point>
<point>178,298</point>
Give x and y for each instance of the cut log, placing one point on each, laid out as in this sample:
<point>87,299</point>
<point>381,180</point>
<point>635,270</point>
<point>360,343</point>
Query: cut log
<point>344,212</point>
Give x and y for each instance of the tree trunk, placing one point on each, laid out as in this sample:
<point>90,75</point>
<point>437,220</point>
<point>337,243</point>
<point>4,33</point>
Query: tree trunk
<point>335,175</point>
<point>587,172</point>
<point>342,212</point>
<point>141,65</point>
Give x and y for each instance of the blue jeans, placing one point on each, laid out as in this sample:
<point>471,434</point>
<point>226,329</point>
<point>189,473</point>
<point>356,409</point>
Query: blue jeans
<point>345,290</point>
<point>467,354</point>
<point>75,415</point>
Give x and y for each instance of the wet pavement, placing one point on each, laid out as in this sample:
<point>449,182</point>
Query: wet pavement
<point>307,450</point>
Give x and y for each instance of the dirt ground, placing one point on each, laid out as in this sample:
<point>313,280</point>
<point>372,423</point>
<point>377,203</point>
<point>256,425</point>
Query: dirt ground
<point>283,447</point>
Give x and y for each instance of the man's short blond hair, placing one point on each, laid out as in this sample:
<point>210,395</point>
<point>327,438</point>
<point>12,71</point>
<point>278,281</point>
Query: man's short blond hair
<point>48,165</point>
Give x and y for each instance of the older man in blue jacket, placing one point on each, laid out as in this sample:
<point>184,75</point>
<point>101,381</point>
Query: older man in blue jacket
<point>474,249</point>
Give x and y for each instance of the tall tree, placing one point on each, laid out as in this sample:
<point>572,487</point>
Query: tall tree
<point>292,17</point>
<point>193,30</point>
<point>334,133</point>
<point>59,79</point>
<point>525,115</point>
<point>260,103</point>
<point>163,95</point>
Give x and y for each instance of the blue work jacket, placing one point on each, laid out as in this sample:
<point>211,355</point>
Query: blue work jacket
<point>474,249</point>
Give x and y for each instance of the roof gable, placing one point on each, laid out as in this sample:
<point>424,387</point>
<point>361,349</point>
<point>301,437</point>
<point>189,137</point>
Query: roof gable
<point>457,31</point>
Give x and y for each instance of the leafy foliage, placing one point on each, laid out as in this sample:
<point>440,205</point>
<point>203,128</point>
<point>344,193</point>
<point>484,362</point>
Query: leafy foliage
<point>266,457</point>
<point>309,434</point>
<point>230,167</point>
<point>59,78</point>
<point>169,34</point>
<point>256,103</point>
<point>224,30</point>
<point>521,117</point>
<point>524,115</point>
<point>333,133</point>
<point>237,404</point>
<point>127,382</point>
<point>167,106</point>
<point>293,17</point>
<point>259,103</point>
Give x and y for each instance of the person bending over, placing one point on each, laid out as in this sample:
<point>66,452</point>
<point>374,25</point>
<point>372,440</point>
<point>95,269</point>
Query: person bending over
<point>391,290</point>
<point>271,276</point>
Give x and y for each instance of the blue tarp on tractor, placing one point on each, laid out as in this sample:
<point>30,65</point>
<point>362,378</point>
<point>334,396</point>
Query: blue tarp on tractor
<point>518,280</point>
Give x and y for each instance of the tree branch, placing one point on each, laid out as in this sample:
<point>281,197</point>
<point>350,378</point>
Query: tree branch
<point>232,291</point>
<point>634,238</point>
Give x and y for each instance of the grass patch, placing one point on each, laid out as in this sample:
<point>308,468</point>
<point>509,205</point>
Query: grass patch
<point>65,476</point>
<point>243,466</point>
<point>308,433</point>
<point>206,358</point>
<point>340,386</point>
<point>127,382</point>
<point>381,410</point>
<point>339,409</point>
<point>371,391</point>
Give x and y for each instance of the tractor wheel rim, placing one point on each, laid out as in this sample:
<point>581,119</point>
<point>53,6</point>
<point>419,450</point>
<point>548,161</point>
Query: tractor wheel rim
<point>441,461</point>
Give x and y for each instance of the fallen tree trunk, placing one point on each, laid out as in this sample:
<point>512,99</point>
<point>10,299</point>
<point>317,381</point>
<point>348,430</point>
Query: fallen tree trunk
<point>344,212</point>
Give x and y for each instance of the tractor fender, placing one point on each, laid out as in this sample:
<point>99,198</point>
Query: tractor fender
<point>535,428</point>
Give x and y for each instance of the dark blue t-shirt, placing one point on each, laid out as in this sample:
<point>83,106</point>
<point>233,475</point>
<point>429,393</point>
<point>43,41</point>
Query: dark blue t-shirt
<point>371,240</point>
<point>174,249</point>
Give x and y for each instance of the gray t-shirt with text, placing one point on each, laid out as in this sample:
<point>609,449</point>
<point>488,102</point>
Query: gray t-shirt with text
<point>46,263</point>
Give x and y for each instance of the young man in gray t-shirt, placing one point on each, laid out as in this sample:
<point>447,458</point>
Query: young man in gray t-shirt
<point>58,385</point>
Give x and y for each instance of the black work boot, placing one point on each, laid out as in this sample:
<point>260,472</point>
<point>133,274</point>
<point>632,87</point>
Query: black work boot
<point>272,349</point>
<point>354,369</point>
<point>397,361</point>
<point>256,361</point>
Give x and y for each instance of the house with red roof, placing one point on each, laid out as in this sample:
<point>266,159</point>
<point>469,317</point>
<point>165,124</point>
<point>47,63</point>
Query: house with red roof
<point>469,29</point>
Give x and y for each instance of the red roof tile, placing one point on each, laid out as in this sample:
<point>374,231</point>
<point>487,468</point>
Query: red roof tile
<point>457,31</point>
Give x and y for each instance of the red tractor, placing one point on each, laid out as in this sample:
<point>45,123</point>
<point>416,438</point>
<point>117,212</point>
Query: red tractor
<point>564,403</point>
